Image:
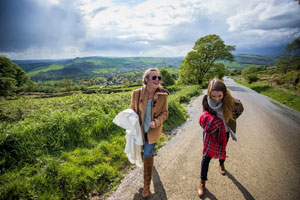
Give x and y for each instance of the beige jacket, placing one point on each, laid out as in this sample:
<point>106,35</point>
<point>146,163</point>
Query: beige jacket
<point>159,110</point>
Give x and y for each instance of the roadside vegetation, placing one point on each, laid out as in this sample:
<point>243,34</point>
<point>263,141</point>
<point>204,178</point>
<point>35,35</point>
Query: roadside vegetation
<point>280,82</point>
<point>68,147</point>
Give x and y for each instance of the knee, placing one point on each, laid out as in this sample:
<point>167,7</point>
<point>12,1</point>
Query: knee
<point>205,159</point>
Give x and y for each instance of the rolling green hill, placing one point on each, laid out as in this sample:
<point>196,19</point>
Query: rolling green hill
<point>44,70</point>
<point>93,66</point>
<point>245,59</point>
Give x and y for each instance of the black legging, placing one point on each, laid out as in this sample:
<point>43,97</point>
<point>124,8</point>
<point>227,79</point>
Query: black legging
<point>205,163</point>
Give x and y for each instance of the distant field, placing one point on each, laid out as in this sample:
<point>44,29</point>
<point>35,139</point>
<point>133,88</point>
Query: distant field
<point>108,66</point>
<point>243,60</point>
<point>49,68</point>
<point>105,70</point>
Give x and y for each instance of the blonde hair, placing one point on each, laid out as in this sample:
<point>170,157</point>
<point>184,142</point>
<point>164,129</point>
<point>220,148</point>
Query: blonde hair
<point>228,102</point>
<point>147,73</point>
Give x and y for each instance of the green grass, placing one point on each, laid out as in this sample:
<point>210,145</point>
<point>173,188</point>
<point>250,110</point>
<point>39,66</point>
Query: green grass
<point>232,64</point>
<point>105,70</point>
<point>132,73</point>
<point>185,93</point>
<point>49,68</point>
<point>67,147</point>
<point>289,99</point>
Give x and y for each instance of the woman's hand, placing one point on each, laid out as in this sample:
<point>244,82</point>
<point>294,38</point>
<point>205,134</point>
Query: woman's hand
<point>152,124</point>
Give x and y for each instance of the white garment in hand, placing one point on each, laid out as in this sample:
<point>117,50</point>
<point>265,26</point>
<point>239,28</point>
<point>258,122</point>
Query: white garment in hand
<point>129,120</point>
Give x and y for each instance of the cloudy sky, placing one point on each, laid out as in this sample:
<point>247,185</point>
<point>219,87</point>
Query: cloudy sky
<point>53,29</point>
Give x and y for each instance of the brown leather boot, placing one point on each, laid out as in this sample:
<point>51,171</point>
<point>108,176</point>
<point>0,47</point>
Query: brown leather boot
<point>148,164</point>
<point>222,169</point>
<point>201,188</point>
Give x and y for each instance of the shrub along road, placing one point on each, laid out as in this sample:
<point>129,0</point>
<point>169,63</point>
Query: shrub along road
<point>262,164</point>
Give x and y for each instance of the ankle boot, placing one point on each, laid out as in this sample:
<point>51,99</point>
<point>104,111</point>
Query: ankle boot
<point>222,169</point>
<point>201,188</point>
<point>148,164</point>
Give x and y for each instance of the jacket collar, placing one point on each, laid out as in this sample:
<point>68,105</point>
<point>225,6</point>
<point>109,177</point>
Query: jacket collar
<point>158,92</point>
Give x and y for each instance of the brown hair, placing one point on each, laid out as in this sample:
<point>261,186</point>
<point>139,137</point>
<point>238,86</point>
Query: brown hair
<point>147,73</point>
<point>228,102</point>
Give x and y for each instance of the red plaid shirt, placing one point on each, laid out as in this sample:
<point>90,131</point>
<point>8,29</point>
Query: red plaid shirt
<point>214,136</point>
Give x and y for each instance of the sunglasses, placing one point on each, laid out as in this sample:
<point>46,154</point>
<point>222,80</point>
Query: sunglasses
<point>156,77</point>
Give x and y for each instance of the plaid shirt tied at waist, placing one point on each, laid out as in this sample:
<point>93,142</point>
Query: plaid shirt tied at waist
<point>214,139</point>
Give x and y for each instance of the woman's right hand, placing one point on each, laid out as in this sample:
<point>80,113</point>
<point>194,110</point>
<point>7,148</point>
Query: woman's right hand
<point>152,124</point>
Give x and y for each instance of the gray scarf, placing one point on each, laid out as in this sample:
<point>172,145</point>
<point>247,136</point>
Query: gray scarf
<point>213,104</point>
<point>216,106</point>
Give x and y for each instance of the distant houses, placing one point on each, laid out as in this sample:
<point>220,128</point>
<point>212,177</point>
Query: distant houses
<point>271,67</point>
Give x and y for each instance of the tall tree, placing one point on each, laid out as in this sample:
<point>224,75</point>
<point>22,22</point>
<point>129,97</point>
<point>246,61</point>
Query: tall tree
<point>12,77</point>
<point>291,56</point>
<point>219,70</point>
<point>206,51</point>
<point>167,78</point>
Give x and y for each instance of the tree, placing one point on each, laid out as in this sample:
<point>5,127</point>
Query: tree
<point>167,77</point>
<point>67,83</point>
<point>7,86</point>
<point>251,69</point>
<point>291,56</point>
<point>12,77</point>
<point>250,73</point>
<point>206,51</point>
<point>219,70</point>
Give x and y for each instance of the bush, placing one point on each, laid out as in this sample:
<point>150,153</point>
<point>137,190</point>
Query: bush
<point>251,78</point>
<point>177,116</point>
<point>184,99</point>
<point>251,70</point>
<point>173,88</point>
<point>290,78</point>
<point>167,78</point>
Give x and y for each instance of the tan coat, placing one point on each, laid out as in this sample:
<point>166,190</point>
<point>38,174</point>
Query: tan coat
<point>159,110</point>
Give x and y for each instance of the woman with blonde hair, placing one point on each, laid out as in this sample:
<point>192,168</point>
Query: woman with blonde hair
<point>151,104</point>
<point>218,120</point>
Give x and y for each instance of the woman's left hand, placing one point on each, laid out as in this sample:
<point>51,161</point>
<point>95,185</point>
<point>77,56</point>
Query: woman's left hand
<point>152,124</point>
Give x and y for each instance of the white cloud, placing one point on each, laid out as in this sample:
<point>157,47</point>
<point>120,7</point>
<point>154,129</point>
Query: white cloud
<point>148,20</point>
<point>265,16</point>
<point>145,27</point>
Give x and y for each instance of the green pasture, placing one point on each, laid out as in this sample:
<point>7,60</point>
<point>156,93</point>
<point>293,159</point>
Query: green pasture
<point>49,68</point>
<point>105,70</point>
<point>67,147</point>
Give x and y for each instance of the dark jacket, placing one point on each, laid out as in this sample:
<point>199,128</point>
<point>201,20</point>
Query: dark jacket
<point>237,110</point>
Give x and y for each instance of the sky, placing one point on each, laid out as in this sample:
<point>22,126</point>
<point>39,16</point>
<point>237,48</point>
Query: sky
<point>57,29</point>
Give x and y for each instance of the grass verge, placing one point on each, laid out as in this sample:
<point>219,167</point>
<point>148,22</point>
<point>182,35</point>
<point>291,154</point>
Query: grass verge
<point>289,99</point>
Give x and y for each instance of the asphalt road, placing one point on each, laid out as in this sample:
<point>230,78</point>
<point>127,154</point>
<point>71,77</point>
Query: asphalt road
<point>263,164</point>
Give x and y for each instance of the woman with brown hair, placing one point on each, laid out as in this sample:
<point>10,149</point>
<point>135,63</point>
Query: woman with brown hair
<point>218,120</point>
<point>151,104</point>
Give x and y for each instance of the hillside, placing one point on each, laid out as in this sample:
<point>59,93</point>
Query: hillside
<point>243,60</point>
<point>92,66</point>
<point>43,70</point>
